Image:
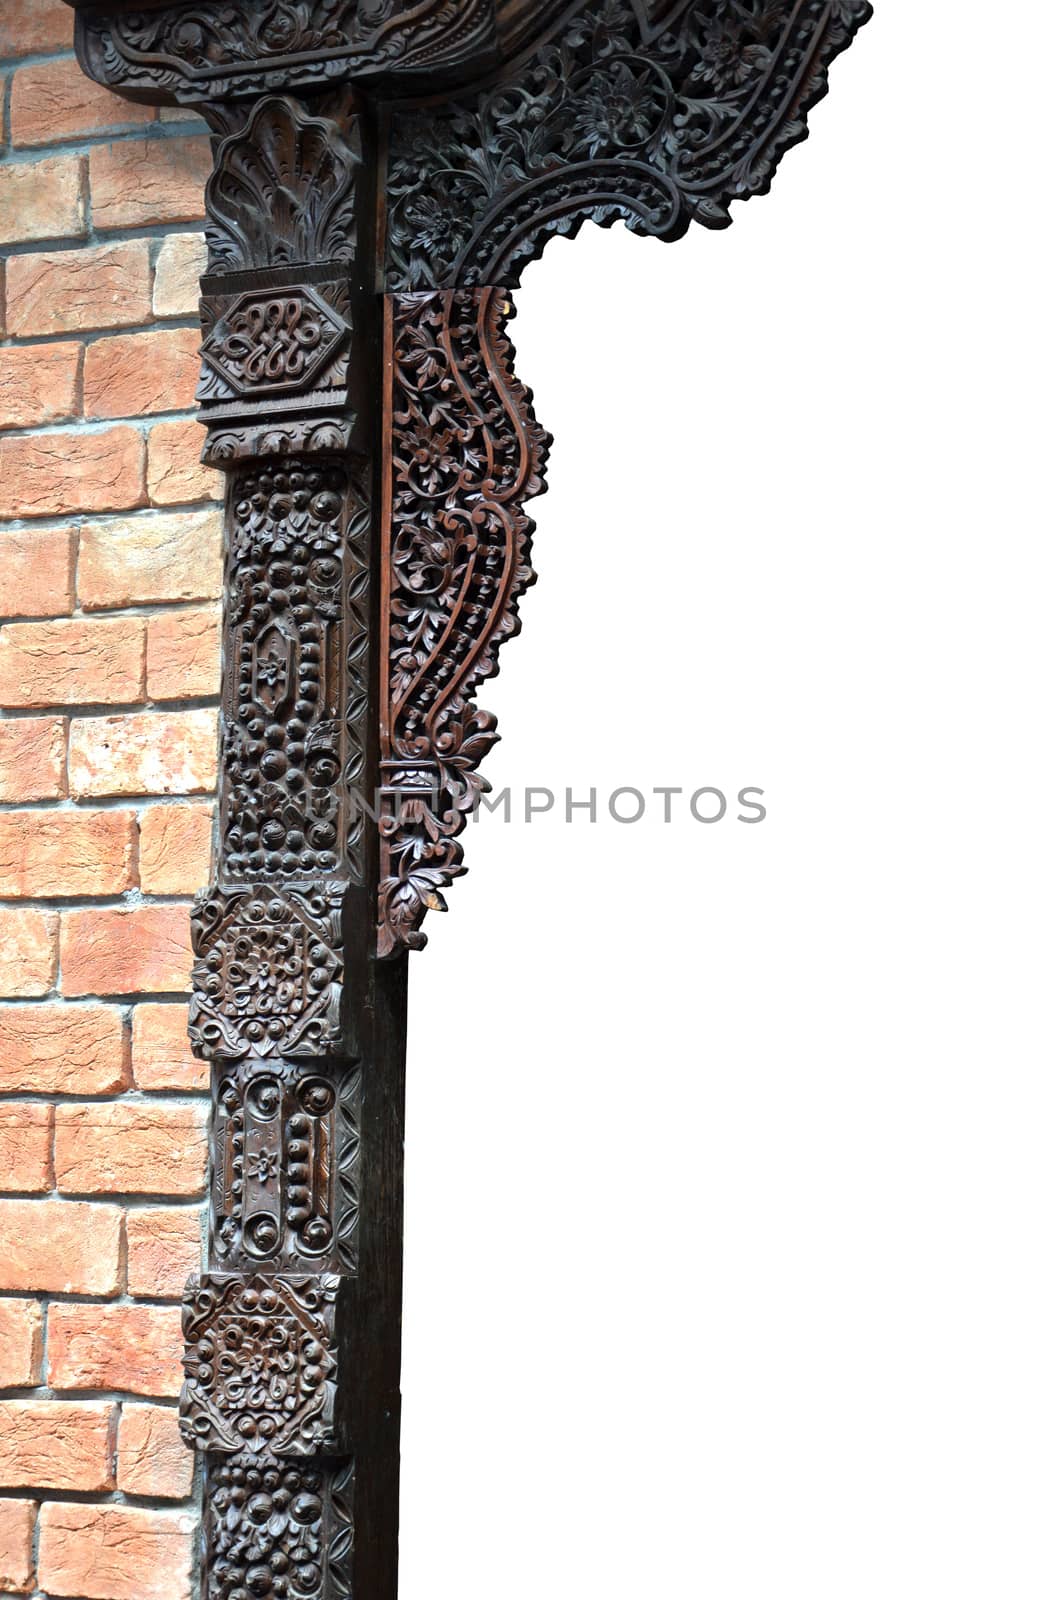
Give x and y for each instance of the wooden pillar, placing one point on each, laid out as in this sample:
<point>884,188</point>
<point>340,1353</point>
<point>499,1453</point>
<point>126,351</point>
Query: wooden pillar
<point>383,171</point>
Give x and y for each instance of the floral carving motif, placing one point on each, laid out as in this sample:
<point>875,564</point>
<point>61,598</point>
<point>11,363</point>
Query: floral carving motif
<point>267,978</point>
<point>656,114</point>
<point>283,190</point>
<point>261,1364</point>
<point>218,49</point>
<point>466,452</point>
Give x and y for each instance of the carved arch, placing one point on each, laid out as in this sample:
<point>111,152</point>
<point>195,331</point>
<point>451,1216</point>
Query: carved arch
<point>654,114</point>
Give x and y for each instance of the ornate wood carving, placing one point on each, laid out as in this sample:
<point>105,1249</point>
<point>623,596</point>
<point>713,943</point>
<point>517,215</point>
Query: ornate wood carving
<point>466,452</point>
<point>384,169</point>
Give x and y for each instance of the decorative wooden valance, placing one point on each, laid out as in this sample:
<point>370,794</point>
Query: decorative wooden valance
<point>383,171</point>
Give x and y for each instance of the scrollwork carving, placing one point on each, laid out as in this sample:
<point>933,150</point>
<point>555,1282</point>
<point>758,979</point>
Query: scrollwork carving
<point>654,114</point>
<point>466,453</point>
<point>273,342</point>
<point>216,49</point>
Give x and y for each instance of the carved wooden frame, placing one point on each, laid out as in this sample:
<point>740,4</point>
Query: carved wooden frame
<point>383,171</point>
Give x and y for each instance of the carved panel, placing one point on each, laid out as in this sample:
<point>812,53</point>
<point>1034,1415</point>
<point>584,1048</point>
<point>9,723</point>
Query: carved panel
<point>285,1166</point>
<point>267,979</point>
<point>261,1364</point>
<point>278,1530</point>
<point>466,453</point>
<point>275,341</point>
<point>296,700</point>
<point>218,49</point>
<point>652,113</point>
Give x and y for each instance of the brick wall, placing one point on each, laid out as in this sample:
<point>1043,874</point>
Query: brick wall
<point>109,579</point>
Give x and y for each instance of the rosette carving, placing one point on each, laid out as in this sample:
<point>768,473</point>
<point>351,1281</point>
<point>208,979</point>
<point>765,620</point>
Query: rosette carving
<point>261,1361</point>
<point>267,979</point>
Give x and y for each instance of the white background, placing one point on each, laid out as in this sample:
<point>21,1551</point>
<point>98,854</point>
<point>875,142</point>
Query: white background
<point>735,1153</point>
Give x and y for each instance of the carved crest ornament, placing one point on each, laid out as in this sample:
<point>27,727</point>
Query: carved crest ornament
<point>383,171</point>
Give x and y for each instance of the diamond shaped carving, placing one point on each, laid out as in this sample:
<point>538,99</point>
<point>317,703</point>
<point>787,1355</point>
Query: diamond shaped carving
<point>274,341</point>
<point>261,1359</point>
<point>268,974</point>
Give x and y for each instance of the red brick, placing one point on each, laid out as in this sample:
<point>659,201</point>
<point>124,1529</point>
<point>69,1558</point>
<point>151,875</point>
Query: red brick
<point>18,1518</point>
<point>174,555</point>
<point>184,654</point>
<point>47,474</point>
<point>163,1250</point>
<point>55,1444</point>
<point>59,1247</point>
<point>38,570</point>
<point>32,758</point>
<point>29,952</point>
<point>26,1146</point>
<point>153,1459</point>
<point>53,853</point>
<point>176,476</point>
<point>162,1055</point>
<point>130,1349</point>
<point>38,384</point>
<point>55,100</point>
<point>42,200</point>
<point>130,1149</point>
<point>115,1552</point>
<point>138,182</point>
<point>75,291</point>
<point>63,1049</point>
<point>175,849</point>
<point>135,374</point>
<point>76,662</point>
<point>181,263</point>
<point>143,951</point>
<point>172,752</point>
<point>33,27</point>
<point>21,1344</point>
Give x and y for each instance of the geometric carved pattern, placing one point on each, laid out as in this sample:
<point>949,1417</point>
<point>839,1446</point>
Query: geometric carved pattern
<point>466,453</point>
<point>285,1167</point>
<point>274,343</point>
<point>268,971</point>
<point>261,1363</point>
<point>221,49</point>
<point>656,115</point>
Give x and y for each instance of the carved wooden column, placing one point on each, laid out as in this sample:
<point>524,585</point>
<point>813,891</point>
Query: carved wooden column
<point>383,171</point>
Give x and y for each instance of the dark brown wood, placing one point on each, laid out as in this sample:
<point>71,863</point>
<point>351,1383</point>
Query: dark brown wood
<point>383,171</point>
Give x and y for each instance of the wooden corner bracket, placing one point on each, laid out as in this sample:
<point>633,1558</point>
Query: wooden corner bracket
<point>383,171</point>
